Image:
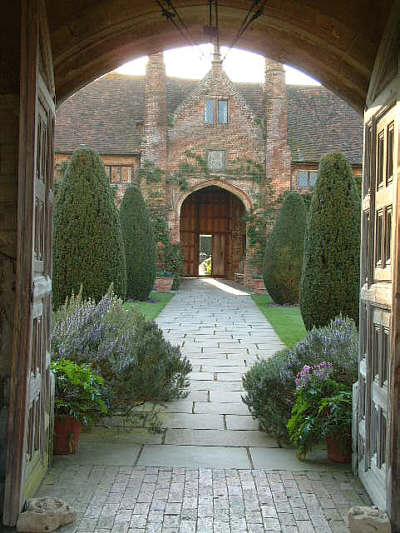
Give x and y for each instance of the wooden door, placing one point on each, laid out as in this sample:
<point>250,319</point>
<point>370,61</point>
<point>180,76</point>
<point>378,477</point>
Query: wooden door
<point>377,263</point>
<point>218,254</point>
<point>190,237</point>
<point>30,392</point>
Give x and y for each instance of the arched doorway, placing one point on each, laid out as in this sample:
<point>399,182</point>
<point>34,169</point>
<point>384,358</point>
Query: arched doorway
<point>215,213</point>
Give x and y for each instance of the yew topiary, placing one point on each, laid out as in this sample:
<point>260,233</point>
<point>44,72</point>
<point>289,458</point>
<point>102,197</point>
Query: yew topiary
<point>331,268</point>
<point>283,258</point>
<point>88,245</point>
<point>140,249</point>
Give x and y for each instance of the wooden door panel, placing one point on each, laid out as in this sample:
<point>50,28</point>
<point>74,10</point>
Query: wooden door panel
<point>30,398</point>
<point>376,307</point>
<point>218,254</point>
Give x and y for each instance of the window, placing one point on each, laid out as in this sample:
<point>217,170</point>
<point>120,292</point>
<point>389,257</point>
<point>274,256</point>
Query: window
<point>379,159</point>
<point>389,153</point>
<point>306,178</point>
<point>209,111</point>
<point>222,111</point>
<point>216,111</point>
<point>216,160</point>
<point>119,173</point>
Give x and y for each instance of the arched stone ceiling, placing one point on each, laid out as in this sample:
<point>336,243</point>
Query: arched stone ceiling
<point>335,41</point>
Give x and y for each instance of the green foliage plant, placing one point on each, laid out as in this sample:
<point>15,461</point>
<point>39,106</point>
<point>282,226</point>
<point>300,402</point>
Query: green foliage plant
<point>283,256</point>
<point>323,407</point>
<point>140,249</point>
<point>131,354</point>
<point>88,249</point>
<point>79,392</point>
<point>330,277</point>
<point>270,384</point>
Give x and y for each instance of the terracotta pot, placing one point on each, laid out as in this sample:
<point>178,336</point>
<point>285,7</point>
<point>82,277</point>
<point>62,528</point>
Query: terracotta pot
<point>66,435</point>
<point>339,450</point>
<point>164,284</point>
<point>258,286</point>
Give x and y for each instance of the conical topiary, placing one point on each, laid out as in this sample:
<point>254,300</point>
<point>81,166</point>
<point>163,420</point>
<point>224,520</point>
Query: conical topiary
<point>140,249</point>
<point>331,268</point>
<point>88,247</point>
<point>283,257</point>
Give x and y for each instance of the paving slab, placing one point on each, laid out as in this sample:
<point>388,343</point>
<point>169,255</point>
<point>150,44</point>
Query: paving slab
<point>194,456</point>
<point>221,408</point>
<point>285,459</point>
<point>226,438</point>
<point>192,421</point>
<point>235,422</point>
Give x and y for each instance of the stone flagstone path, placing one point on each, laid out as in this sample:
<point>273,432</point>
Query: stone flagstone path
<point>210,470</point>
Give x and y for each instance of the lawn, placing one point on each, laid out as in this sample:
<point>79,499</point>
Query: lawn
<point>286,320</point>
<point>151,309</point>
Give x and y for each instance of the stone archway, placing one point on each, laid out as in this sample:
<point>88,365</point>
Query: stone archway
<point>218,213</point>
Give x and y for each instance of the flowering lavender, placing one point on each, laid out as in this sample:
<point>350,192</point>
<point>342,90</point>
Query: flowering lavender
<point>320,372</point>
<point>131,354</point>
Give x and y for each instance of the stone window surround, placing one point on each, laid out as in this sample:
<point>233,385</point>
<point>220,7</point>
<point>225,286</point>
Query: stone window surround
<point>210,150</point>
<point>216,100</point>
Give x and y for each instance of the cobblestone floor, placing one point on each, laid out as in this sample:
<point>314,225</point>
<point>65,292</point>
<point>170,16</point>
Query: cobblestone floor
<point>168,500</point>
<point>211,469</point>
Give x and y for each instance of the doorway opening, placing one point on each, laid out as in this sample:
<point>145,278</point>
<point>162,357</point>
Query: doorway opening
<point>213,233</point>
<point>205,255</point>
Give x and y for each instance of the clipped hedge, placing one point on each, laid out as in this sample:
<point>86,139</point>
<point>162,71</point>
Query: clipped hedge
<point>283,257</point>
<point>140,249</point>
<point>88,248</point>
<point>331,268</point>
<point>270,384</point>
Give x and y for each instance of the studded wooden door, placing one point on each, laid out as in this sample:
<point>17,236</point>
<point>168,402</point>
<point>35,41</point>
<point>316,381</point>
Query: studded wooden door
<point>377,259</point>
<point>30,399</point>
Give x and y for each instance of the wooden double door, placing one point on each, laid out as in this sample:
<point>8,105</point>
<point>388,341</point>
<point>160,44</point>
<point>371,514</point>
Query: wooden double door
<point>30,418</point>
<point>216,212</point>
<point>377,452</point>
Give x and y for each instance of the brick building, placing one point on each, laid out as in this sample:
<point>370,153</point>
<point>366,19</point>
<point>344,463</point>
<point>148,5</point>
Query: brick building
<point>221,145</point>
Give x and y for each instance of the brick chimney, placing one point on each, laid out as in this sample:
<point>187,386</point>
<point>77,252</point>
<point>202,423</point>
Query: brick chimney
<point>278,157</point>
<point>155,115</point>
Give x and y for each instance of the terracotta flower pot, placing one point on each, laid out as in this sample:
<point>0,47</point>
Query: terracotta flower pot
<point>66,435</point>
<point>164,284</point>
<point>339,450</point>
<point>258,286</point>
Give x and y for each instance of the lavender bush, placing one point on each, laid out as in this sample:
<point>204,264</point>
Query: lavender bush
<point>270,384</point>
<point>131,354</point>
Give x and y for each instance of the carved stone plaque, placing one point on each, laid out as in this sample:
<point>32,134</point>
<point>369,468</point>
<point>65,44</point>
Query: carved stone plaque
<point>216,159</point>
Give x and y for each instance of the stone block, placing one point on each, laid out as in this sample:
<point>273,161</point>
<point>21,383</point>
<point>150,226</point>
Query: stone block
<point>368,520</point>
<point>44,515</point>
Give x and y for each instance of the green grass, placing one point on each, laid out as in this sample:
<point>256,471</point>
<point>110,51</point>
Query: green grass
<point>286,320</point>
<point>151,310</point>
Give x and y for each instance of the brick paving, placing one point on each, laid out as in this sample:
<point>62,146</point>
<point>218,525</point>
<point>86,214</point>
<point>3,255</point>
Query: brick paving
<point>210,470</point>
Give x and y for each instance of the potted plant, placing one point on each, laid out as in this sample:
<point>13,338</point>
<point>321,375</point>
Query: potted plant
<point>79,401</point>
<point>257,284</point>
<point>336,415</point>
<point>164,281</point>
<point>322,411</point>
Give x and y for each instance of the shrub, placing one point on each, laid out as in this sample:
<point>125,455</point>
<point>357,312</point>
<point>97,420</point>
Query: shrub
<point>78,392</point>
<point>330,278</point>
<point>283,257</point>
<point>132,356</point>
<point>270,384</point>
<point>88,246</point>
<point>140,249</point>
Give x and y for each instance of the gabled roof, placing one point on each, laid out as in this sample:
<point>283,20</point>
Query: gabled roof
<point>104,115</point>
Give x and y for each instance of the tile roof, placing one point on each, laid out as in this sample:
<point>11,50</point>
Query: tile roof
<point>104,115</point>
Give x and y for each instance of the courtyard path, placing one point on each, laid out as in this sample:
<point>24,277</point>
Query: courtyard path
<point>210,470</point>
